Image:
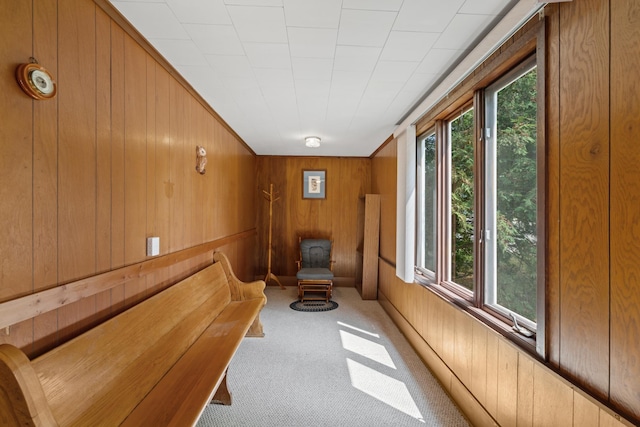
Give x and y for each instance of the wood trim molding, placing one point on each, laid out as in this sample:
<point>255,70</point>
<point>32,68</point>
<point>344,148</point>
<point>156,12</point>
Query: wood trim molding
<point>29,306</point>
<point>128,28</point>
<point>384,144</point>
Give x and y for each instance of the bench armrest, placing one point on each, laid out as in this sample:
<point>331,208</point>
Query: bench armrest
<point>240,290</point>
<point>252,290</point>
<point>21,392</point>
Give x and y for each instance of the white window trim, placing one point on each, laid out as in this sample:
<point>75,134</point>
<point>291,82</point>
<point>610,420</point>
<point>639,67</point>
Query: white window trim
<point>406,204</point>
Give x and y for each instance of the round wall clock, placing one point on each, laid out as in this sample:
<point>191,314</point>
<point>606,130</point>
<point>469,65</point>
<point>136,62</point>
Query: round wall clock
<point>36,81</point>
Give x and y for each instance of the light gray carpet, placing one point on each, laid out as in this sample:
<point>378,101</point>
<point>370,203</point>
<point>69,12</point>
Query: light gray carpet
<point>347,367</point>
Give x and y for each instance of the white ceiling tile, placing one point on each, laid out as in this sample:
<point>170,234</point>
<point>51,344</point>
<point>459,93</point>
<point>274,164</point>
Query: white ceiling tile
<point>275,77</point>
<point>364,27</point>
<point>254,2</point>
<point>438,60</point>
<point>312,13</point>
<point>392,5</point>
<point>180,52</point>
<point>200,11</point>
<point>462,30</point>
<point>346,70</point>
<point>312,42</point>
<point>280,94</point>
<point>201,77</point>
<point>349,82</point>
<point>314,89</point>
<point>268,55</point>
<point>312,68</point>
<point>408,46</point>
<point>356,58</point>
<point>237,85</point>
<point>430,16</point>
<point>402,102</point>
<point>395,71</point>
<point>312,112</point>
<point>164,24</point>
<point>230,66</point>
<point>485,7</point>
<point>381,93</point>
<point>215,39</point>
<point>418,83</point>
<point>259,24</point>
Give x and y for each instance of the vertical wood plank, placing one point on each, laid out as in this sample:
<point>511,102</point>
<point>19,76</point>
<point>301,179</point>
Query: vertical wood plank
<point>585,412</point>
<point>507,384</point>
<point>45,154</point>
<point>479,368</point>
<point>188,171</point>
<point>552,400</point>
<point>176,209</point>
<point>625,202</point>
<point>103,155</point>
<point>103,141</point>
<point>463,347</point>
<point>77,141</point>
<point>16,145</point>
<point>162,178</point>
<point>384,171</point>
<point>525,391</point>
<point>584,185</point>
<point>493,374</point>
<point>77,156</point>
<point>135,145</point>
<point>45,175</point>
<point>117,159</point>
<point>152,148</point>
<point>198,180</point>
<point>552,121</point>
<point>209,193</point>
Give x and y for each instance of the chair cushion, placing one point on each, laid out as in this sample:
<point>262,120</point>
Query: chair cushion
<point>316,253</point>
<point>314,274</point>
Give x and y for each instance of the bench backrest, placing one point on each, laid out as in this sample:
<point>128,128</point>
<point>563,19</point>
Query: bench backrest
<point>101,375</point>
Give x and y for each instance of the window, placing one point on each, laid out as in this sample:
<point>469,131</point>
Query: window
<point>478,217</point>
<point>461,199</point>
<point>510,229</point>
<point>426,218</point>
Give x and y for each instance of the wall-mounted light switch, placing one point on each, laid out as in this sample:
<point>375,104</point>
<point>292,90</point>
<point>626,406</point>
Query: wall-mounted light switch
<point>153,246</point>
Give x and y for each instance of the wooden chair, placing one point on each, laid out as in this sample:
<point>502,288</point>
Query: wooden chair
<point>315,267</point>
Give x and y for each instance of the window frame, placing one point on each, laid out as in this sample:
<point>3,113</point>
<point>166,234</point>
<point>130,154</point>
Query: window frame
<point>526,42</point>
<point>445,207</point>
<point>431,276</point>
<point>509,77</point>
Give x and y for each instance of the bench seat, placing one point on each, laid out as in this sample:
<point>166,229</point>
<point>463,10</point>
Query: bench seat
<point>158,363</point>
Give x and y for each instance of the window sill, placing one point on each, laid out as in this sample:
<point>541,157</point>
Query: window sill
<point>526,343</point>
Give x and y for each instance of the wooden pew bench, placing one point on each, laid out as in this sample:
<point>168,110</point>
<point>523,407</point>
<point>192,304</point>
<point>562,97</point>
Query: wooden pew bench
<point>158,363</point>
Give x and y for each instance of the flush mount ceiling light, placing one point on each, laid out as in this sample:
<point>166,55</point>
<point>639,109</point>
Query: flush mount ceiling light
<point>312,142</point>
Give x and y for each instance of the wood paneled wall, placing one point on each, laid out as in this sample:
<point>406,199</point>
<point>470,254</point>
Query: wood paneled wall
<point>385,165</point>
<point>336,216</point>
<point>88,176</point>
<point>593,250</point>
<point>493,381</point>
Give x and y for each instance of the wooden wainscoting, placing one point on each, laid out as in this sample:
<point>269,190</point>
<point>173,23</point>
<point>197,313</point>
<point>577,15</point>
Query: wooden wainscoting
<point>493,381</point>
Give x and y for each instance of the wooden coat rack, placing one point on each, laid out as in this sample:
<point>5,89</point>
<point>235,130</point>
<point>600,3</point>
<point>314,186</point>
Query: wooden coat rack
<point>270,197</point>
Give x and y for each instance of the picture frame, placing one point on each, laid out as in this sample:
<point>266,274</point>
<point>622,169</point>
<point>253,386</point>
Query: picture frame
<point>314,184</point>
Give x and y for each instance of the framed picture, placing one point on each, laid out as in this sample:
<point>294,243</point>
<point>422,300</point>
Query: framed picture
<point>314,184</point>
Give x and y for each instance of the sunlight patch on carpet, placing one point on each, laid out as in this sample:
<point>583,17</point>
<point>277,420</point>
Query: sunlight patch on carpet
<point>358,329</point>
<point>364,347</point>
<point>384,388</point>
